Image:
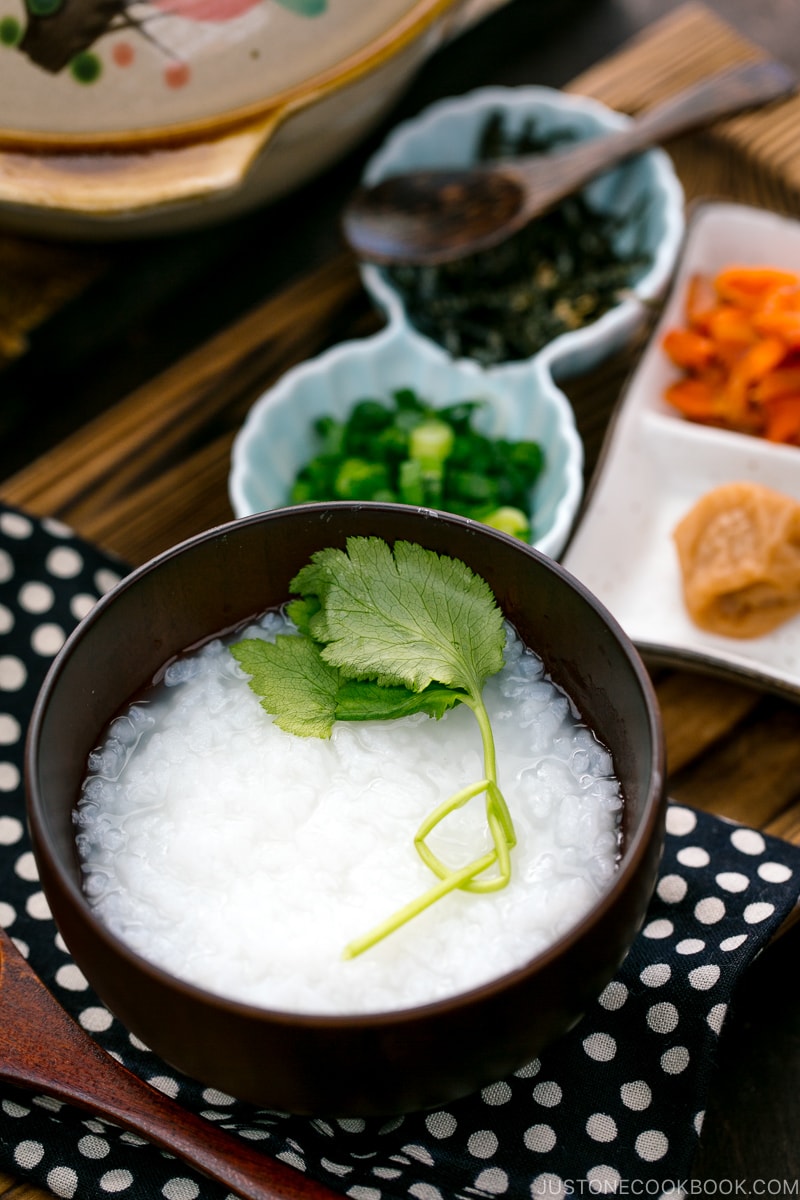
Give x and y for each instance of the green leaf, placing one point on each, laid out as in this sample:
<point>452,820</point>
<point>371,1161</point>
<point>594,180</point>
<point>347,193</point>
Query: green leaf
<point>368,701</point>
<point>406,617</point>
<point>317,576</point>
<point>384,633</point>
<point>292,681</point>
<point>301,611</point>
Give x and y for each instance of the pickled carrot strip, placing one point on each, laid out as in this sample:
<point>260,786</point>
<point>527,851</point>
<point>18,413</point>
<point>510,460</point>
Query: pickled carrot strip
<point>783,419</point>
<point>701,301</point>
<point>689,349</point>
<point>739,351</point>
<point>694,397</point>
<point>785,298</point>
<point>780,382</point>
<point>759,359</point>
<point>785,325</point>
<point>747,286</point>
<point>727,323</point>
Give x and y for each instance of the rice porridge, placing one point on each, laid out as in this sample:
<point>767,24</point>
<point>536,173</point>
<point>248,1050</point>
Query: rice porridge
<point>243,859</point>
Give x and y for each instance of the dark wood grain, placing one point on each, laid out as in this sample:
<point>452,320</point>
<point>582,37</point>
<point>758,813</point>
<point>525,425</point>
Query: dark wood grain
<point>154,470</point>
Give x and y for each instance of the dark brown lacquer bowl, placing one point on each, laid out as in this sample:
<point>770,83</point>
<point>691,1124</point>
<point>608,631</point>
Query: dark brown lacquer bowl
<point>365,1065</point>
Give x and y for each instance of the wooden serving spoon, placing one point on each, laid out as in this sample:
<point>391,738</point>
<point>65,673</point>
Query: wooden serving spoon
<point>41,1047</point>
<point>435,216</point>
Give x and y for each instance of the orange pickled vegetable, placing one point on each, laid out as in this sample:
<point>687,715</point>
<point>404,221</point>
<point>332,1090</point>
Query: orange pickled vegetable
<point>786,326</point>
<point>783,417</point>
<point>747,286</point>
<point>780,315</point>
<point>730,329</point>
<point>780,382</point>
<point>695,398</point>
<point>754,365</point>
<point>701,301</point>
<point>739,352</point>
<point>689,349</point>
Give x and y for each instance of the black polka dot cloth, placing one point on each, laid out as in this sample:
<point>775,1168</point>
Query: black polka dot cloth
<point>620,1098</point>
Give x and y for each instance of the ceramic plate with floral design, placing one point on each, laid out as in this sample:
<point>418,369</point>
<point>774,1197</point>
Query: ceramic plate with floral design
<point>88,67</point>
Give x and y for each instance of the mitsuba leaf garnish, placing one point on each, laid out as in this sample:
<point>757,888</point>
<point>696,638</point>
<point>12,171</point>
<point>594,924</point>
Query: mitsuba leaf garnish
<point>295,684</point>
<point>365,700</point>
<point>383,632</point>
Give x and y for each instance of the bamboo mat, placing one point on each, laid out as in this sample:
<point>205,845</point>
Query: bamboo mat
<point>752,158</point>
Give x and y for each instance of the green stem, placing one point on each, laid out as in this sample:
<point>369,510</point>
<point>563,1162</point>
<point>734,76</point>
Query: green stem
<point>458,800</point>
<point>466,878</point>
<point>453,881</point>
<point>502,858</point>
<point>496,806</point>
<point>494,797</point>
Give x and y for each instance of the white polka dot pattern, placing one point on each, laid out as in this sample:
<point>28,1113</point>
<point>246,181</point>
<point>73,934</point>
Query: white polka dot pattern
<point>618,1097</point>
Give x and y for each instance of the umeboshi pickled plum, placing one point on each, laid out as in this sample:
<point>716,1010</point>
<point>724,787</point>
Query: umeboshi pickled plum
<point>739,553</point>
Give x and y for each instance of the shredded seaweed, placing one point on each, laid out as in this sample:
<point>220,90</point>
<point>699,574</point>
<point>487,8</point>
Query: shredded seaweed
<point>559,273</point>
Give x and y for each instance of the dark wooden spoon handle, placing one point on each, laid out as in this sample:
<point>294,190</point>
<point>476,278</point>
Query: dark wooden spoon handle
<point>41,1047</point>
<point>723,95</point>
<point>436,215</point>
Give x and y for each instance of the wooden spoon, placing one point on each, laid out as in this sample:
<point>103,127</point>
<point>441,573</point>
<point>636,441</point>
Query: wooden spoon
<point>435,216</point>
<point>41,1047</point>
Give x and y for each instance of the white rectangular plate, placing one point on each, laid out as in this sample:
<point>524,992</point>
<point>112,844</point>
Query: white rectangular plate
<point>655,465</point>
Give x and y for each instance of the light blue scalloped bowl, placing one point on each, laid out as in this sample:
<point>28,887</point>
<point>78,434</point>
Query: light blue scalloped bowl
<point>523,398</point>
<point>276,439</point>
<point>644,194</point>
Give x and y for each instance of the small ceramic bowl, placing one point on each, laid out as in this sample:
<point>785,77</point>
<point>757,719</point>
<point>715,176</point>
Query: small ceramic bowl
<point>277,437</point>
<point>646,199</point>
<point>384,1062</point>
<point>643,196</point>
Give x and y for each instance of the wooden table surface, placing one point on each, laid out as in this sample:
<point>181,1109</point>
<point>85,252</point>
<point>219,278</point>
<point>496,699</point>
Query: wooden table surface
<point>132,367</point>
